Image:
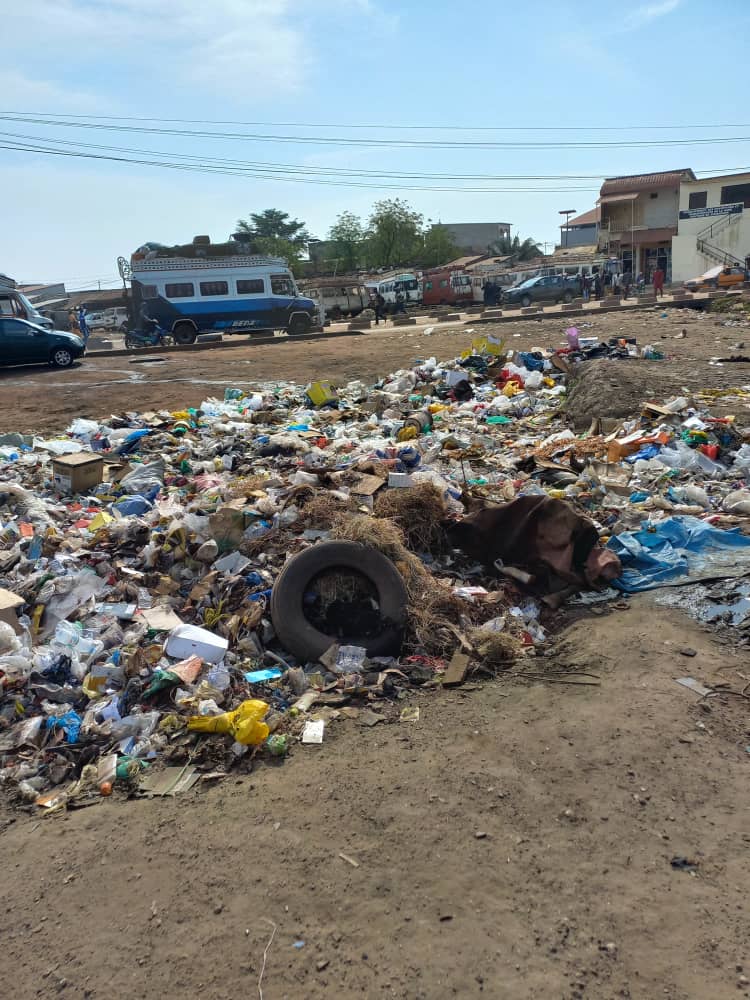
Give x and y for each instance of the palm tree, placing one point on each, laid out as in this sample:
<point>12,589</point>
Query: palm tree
<point>516,250</point>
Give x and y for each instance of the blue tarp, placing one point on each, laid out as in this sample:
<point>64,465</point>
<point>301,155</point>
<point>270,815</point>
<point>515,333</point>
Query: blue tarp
<point>675,550</point>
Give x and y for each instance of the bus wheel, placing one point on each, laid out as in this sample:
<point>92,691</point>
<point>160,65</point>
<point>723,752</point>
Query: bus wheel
<point>184,333</point>
<point>298,324</point>
<point>336,314</point>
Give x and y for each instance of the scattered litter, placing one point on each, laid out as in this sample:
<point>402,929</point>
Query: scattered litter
<point>313,731</point>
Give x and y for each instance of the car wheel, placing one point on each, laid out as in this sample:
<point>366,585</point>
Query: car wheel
<point>298,324</point>
<point>61,357</point>
<point>336,314</point>
<point>297,634</point>
<point>184,334</point>
<point>567,297</point>
<point>526,301</point>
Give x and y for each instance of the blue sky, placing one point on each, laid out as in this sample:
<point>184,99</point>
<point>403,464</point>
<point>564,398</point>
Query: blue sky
<point>544,64</point>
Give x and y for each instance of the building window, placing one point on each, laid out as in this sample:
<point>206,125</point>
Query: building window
<point>250,286</point>
<point>654,194</point>
<point>150,292</point>
<point>443,282</point>
<point>281,284</point>
<point>182,290</point>
<point>698,199</point>
<point>428,286</point>
<point>734,193</point>
<point>214,288</point>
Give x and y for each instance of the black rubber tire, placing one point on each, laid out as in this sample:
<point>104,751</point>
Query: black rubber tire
<point>567,297</point>
<point>130,343</point>
<point>184,334</point>
<point>526,301</point>
<point>299,324</point>
<point>336,314</point>
<point>61,357</point>
<point>295,632</point>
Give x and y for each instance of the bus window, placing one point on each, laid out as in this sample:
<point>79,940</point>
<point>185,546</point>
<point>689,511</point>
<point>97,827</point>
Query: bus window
<point>214,288</point>
<point>250,286</point>
<point>181,290</point>
<point>150,292</point>
<point>281,284</point>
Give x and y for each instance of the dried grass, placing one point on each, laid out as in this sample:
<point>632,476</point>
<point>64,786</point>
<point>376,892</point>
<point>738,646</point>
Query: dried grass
<point>419,512</point>
<point>496,649</point>
<point>318,509</point>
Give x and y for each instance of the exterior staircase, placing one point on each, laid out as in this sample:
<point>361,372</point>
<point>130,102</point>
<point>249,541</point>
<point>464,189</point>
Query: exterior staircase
<point>705,246</point>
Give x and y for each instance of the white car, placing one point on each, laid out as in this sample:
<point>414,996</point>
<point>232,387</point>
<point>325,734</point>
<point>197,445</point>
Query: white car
<point>107,319</point>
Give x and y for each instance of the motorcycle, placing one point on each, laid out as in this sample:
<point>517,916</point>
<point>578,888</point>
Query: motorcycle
<point>155,337</point>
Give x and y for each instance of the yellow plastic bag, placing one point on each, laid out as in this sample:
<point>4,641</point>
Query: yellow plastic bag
<point>244,723</point>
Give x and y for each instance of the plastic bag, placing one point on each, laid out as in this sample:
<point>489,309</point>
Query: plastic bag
<point>244,723</point>
<point>143,478</point>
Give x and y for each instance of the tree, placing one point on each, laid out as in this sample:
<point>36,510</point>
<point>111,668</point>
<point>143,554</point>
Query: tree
<point>274,224</point>
<point>395,234</point>
<point>517,250</point>
<point>439,247</point>
<point>348,236</point>
<point>272,232</point>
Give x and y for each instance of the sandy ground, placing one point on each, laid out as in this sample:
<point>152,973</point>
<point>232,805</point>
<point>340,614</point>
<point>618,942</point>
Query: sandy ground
<point>582,795</point>
<point>40,398</point>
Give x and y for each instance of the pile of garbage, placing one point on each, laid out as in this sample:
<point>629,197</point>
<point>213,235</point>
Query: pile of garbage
<point>183,592</point>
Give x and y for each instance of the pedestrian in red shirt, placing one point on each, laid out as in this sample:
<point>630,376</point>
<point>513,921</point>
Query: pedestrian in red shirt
<point>659,282</point>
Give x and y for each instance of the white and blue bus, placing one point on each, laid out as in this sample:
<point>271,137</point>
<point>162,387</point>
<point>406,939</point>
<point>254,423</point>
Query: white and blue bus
<point>233,293</point>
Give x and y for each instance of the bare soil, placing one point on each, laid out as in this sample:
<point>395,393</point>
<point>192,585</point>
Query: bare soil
<point>516,842</point>
<point>42,399</point>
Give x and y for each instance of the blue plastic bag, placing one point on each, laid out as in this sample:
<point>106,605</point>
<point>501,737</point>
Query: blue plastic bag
<point>679,549</point>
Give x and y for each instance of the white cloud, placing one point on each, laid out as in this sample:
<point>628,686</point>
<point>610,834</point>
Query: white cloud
<point>649,12</point>
<point>230,47</point>
<point>27,93</point>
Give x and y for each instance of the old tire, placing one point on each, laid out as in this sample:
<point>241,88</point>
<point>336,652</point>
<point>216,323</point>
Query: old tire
<point>184,334</point>
<point>298,325</point>
<point>526,301</point>
<point>61,357</point>
<point>567,297</point>
<point>299,636</point>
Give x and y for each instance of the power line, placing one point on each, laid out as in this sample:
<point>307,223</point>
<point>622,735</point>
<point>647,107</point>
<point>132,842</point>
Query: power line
<point>268,175</point>
<point>384,126</point>
<point>382,143</point>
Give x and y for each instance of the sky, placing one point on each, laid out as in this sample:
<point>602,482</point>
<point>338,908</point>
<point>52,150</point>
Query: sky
<point>546,71</point>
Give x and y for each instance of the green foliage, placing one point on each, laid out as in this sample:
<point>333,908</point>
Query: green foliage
<point>439,247</point>
<point>274,224</point>
<point>348,235</point>
<point>516,250</point>
<point>395,234</point>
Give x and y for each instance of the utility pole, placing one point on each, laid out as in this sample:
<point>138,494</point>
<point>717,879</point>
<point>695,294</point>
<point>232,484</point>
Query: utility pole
<point>567,212</point>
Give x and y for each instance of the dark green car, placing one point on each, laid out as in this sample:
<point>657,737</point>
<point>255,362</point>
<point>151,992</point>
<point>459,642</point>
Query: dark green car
<point>24,343</point>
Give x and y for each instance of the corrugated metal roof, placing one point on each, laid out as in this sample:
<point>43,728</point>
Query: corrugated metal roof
<point>609,199</point>
<point>587,219</point>
<point>647,182</point>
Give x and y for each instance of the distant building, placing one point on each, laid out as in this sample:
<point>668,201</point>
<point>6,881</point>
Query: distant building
<point>713,226</point>
<point>583,231</point>
<point>477,237</point>
<point>639,219</point>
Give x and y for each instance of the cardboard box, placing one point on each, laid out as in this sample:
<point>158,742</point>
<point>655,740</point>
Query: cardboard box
<point>78,473</point>
<point>9,604</point>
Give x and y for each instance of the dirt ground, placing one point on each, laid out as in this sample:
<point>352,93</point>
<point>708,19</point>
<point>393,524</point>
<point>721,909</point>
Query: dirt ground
<point>515,843</point>
<point>41,399</point>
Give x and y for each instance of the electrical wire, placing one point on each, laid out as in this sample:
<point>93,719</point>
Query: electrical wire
<point>269,175</point>
<point>384,126</point>
<point>381,143</point>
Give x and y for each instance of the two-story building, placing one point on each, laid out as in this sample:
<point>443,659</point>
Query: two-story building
<point>639,217</point>
<point>713,226</point>
<point>583,231</point>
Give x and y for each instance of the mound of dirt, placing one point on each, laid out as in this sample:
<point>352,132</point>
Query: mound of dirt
<point>616,389</point>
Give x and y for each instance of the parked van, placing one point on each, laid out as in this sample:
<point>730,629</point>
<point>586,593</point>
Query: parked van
<point>216,289</point>
<point>14,303</point>
<point>446,288</point>
<point>403,284</point>
<point>338,299</point>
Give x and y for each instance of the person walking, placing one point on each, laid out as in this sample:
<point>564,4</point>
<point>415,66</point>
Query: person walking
<point>586,287</point>
<point>379,309</point>
<point>73,322</point>
<point>659,282</point>
<point>597,286</point>
<point>627,281</point>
